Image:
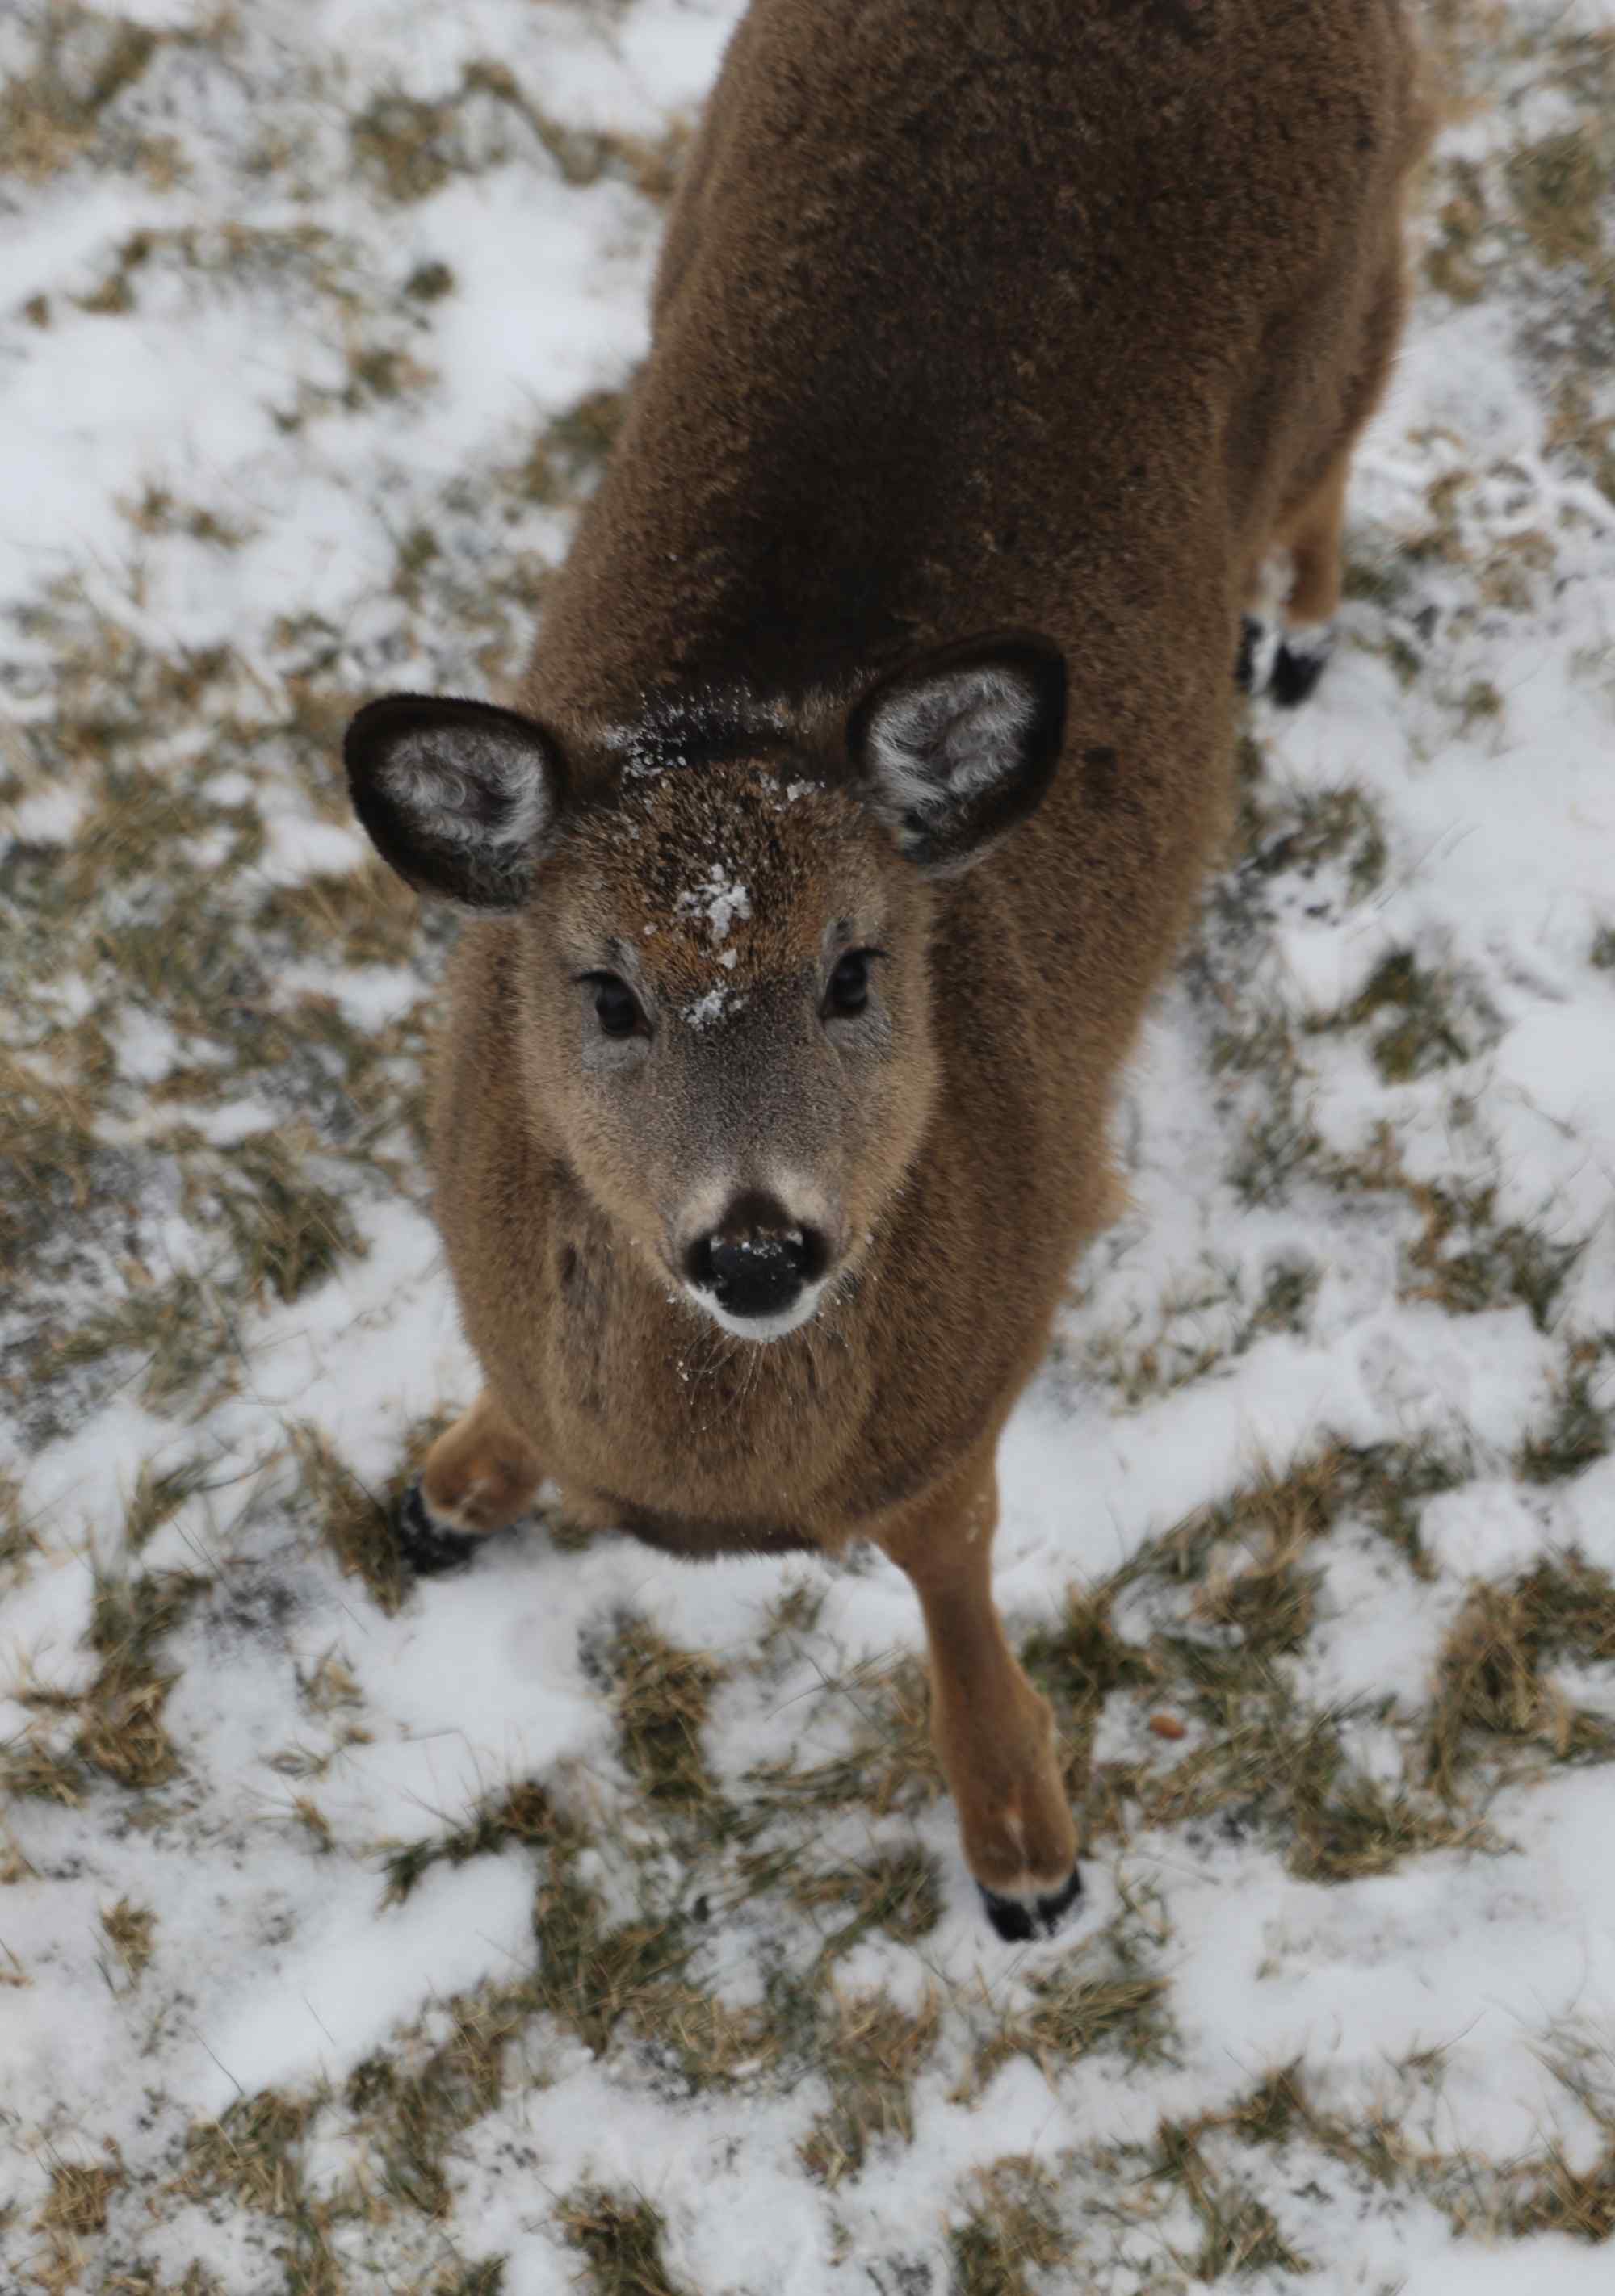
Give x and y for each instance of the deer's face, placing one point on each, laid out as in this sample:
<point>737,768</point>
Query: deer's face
<point>728,1024</point>
<point>723,998</point>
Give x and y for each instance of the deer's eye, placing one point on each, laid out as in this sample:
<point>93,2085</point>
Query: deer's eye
<point>847,992</point>
<point>616,1006</point>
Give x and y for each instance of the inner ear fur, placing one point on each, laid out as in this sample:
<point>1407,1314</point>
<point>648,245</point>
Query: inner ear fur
<point>955,749</point>
<point>460,798</point>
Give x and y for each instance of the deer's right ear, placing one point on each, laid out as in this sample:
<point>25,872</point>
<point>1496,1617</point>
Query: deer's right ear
<point>460,798</point>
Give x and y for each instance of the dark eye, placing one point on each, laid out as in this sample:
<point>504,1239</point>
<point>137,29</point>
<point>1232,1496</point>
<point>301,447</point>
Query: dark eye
<point>848,989</point>
<point>616,1006</point>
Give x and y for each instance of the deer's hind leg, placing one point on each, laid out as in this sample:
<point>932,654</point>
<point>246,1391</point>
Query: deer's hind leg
<point>1312,538</point>
<point>993,1733</point>
<point>1287,640</point>
<point>480,1476</point>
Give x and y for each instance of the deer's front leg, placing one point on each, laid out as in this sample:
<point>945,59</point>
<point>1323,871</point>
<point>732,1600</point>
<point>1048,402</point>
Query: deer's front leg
<point>480,1475</point>
<point>993,1733</point>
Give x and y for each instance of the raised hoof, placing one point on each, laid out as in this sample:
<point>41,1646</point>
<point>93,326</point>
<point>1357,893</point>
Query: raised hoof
<point>1296,671</point>
<point>429,1548</point>
<point>1019,1919</point>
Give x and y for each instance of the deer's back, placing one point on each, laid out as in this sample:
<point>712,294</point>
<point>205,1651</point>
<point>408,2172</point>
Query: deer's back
<point>984,312</point>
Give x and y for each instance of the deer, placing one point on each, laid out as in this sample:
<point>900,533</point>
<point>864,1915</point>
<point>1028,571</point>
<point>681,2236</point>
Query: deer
<point>818,873</point>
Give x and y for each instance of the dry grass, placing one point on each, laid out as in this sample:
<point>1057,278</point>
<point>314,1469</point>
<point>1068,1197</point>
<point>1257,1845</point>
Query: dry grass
<point>700,2040</point>
<point>1578,1431</point>
<point>80,2197</point>
<point>1274,1765</point>
<point>888,1765</point>
<point>130,1930</point>
<point>1307,831</point>
<point>1579,2202</point>
<point>1491,1689</point>
<point>51,116</point>
<point>31,1768</point>
<point>1075,2011</point>
<point>18,1537</point>
<point>355,1521</point>
<point>1280,2116</point>
<point>524,1814</point>
<point>592,1974</point>
<point>1467,1262</point>
<point>619,2239</point>
<point>253,2153</point>
<point>412,2107</point>
<point>896,1891</point>
<point>870,2053</point>
<point>408,147</point>
<point>1278,1511</point>
<point>121,1726</point>
<point>1010,2228</point>
<point>289,1232</point>
<point>1240,1593</point>
<point>158,1497</point>
<point>367,916</point>
<point>1238,2233</point>
<point>182,1334</point>
<point>1558,185</point>
<point>663,1695</point>
<point>1268,1599</point>
<point>1420,1017</point>
<point>49,1161</point>
<point>789,1622</point>
<point>1081,1660</point>
<point>485,2278</point>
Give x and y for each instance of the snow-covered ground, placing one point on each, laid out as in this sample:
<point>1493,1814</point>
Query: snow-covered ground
<point>594,1919</point>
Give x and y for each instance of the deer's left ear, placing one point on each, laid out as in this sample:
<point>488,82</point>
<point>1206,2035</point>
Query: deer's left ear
<point>952,751</point>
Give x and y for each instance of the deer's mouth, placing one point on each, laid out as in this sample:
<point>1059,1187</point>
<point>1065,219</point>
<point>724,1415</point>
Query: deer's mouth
<point>776,1322</point>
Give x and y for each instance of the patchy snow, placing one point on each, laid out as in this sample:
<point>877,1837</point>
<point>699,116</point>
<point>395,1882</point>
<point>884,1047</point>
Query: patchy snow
<point>272,409</point>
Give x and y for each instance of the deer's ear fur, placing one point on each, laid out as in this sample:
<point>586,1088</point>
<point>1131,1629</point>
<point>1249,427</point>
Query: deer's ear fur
<point>955,749</point>
<point>461,797</point>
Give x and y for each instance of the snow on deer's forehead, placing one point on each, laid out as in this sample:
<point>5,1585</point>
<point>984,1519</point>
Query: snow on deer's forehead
<point>720,873</point>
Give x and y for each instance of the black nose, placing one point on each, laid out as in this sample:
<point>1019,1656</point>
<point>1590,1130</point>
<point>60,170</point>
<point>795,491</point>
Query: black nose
<point>757,1259</point>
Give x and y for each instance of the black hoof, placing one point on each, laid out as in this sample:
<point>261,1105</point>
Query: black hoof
<point>1244,663</point>
<point>1271,664</point>
<point>1295,672</point>
<point>429,1548</point>
<point>1018,1920</point>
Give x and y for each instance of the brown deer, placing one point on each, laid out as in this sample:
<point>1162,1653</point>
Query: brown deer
<point>877,736</point>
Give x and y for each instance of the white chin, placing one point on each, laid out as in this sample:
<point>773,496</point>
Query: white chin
<point>761,1327</point>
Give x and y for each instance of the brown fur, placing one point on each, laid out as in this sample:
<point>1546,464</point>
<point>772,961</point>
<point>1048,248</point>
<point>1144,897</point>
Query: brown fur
<point>1040,314</point>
